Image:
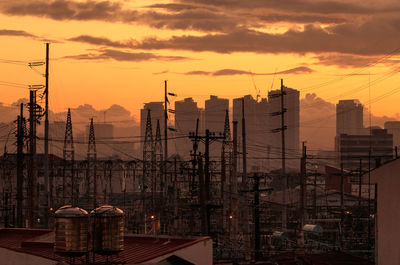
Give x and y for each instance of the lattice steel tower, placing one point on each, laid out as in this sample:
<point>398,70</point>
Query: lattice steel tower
<point>91,176</point>
<point>69,189</point>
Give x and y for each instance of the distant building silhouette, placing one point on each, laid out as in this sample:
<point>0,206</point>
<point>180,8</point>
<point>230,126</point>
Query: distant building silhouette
<point>353,148</point>
<point>214,118</point>
<point>349,117</point>
<point>292,121</point>
<point>186,114</point>
<point>257,129</point>
<point>393,127</point>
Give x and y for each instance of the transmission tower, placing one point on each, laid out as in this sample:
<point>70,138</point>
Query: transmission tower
<point>69,190</point>
<point>148,164</point>
<point>158,157</point>
<point>91,181</point>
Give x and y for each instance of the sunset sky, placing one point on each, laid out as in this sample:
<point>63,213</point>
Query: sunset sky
<point>120,52</point>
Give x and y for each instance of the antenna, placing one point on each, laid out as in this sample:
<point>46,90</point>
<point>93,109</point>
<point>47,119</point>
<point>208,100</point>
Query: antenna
<point>255,87</point>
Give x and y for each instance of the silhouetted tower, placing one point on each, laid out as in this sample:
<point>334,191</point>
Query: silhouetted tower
<point>69,190</point>
<point>148,162</point>
<point>226,170</point>
<point>158,157</point>
<point>91,167</point>
<point>226,154</point>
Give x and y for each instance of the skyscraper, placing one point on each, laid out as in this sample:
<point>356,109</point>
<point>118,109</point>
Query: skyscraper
<point>256,117</point>
<point>214,118</point>
<point>349,117</point>
<point>292,122</point>
<point>186,115</point>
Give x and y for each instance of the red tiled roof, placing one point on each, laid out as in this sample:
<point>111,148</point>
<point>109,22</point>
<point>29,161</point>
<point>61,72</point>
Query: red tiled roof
<point>137,248</point>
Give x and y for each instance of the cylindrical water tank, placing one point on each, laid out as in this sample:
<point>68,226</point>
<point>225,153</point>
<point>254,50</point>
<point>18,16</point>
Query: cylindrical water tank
<point>71,234</point>
<point>107,228</point>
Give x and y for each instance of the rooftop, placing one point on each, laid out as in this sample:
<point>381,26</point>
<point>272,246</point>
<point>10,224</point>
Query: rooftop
<point>137,248</point>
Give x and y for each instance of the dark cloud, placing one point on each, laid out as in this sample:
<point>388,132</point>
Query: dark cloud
<point>70,10</point>
<point>205,16</point>
<point>101,41</point>
<point>344,60</point>
<point>223,72</point>
<point>19,33</point>
<point>363,39</point>
<point>301,18</point>
<point>195,19</point>
<point>117,55</point>
<point>307,6</point>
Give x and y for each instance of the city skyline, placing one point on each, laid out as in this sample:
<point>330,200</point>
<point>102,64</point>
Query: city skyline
<point>115,49</point>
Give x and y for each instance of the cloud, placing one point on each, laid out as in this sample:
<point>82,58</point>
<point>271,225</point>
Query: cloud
<point>70,10</point>
<point>224,72</point>
<point>18,33</point>
<point>117,55</point>
<point>351,61</point>
<point>192,15</point>
<point>162,72</point>
<point>308,6</point>
<point>360,39</point>
<point>101,41</point>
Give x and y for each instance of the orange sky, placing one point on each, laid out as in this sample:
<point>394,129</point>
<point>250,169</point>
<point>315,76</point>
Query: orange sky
<point>120,52</point>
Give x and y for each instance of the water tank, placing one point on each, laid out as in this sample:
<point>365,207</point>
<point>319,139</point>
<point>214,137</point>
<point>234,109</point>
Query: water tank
<point>107,224</point>
<point>313,229</point>
<point>71,235</point>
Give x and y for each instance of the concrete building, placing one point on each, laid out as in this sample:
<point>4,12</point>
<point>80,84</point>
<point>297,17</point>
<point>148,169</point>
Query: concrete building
<point>349,117</point>
<point>214,119</point>
<point>292,121</point>
<point>256,117</point>
<point>353,148</point>
<point>393,127</point>
<point>387,240</point>
<point>186,115</point>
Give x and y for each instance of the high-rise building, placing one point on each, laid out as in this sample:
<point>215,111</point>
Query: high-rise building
<point>186,115</point>
<point>157,113</point>
<point>292,123</point>
<point>214,120</point>
<point>393,127</point>
<point>256,120</point>
<point>349,117</point>
<point>353,149</point>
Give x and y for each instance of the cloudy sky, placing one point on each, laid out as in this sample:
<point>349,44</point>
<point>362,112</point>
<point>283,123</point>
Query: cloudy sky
<point>106,52</point>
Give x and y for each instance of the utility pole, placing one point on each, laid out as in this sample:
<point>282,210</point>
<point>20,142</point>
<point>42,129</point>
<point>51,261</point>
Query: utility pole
<point>195,147</point>
<point>20,166</point>
<point>256,188</point>
<point>244,180</point>
<point>208,138</point>
<point>202,196</point>
<point>303,175</point>
<point>283,150</point>
<point>341,204</point>
<point>32,156</point>
<point>46,139</point>
<point>359,184</point>
<point>165,129</point>
<point>234,214</point>
<point>284,180</point>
